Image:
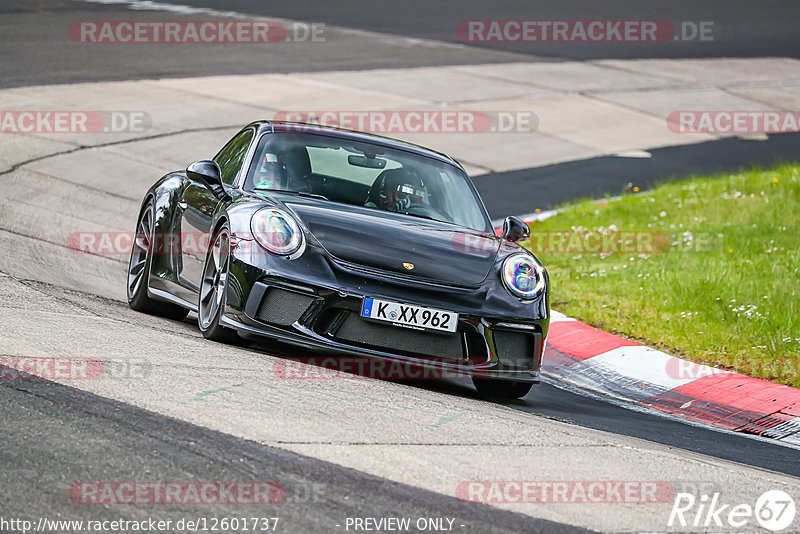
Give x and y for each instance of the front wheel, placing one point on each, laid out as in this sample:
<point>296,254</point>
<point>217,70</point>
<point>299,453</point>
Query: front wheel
<point>501,389</point>
<point>211,303</point>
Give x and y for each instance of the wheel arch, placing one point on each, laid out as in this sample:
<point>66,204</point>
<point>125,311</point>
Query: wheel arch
<point>220,219</point>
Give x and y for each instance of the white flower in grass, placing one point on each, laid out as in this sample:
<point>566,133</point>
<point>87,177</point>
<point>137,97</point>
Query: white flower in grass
<point>749,311</point>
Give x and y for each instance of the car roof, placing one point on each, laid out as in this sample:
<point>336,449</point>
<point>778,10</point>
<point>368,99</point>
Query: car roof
<point>342,133</point>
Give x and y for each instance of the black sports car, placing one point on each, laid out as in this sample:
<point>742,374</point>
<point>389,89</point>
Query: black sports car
<point>346,243</point>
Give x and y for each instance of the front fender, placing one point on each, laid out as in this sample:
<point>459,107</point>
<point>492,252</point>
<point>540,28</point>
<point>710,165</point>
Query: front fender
<point>239,214</point>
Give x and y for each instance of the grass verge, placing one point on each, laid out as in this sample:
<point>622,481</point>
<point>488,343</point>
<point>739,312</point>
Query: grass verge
<point>707,268</point>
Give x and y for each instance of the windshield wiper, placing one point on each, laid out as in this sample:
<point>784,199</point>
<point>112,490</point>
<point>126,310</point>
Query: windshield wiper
<point>312,195</point>
<point>298,193</point>
<point>420,216</point>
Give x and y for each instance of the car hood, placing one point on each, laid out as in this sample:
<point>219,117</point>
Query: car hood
<point>386,241</point>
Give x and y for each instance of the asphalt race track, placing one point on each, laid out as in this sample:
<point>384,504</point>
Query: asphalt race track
<point>61,432</point>
<point>741,32</point>
<point>348,448</point>
<point>35,29</point>
<point>611,175</point>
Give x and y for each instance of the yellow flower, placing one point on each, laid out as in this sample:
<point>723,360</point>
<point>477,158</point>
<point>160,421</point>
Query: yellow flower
<point>775,180</point>
<point>538,210</point>
<point>635,189</point>
<point>730,250</point>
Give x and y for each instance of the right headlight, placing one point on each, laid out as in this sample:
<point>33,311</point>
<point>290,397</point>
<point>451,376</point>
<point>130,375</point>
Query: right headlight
<point>523,276</point>
<point>276,231</point>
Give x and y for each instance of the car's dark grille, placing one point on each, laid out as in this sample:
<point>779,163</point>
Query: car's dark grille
<point>355,330</point>
<point>515,349</point>
<point>281,307</point>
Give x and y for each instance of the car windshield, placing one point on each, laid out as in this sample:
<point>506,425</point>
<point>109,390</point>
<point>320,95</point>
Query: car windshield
<point>365,174</point>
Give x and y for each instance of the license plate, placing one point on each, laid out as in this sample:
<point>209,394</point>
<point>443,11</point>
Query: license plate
<point>409,316</point>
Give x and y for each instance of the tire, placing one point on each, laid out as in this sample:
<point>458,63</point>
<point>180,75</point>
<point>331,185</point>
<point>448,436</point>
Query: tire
<point>139,270</point>
<point>211,300</point>
<point>501,389</point>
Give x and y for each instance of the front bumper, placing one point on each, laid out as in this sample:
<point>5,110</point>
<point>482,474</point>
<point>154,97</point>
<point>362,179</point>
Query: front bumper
<point>320,311</point>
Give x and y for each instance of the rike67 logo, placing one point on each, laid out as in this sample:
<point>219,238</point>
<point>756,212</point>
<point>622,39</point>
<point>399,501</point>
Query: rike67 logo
<point>774,510</point>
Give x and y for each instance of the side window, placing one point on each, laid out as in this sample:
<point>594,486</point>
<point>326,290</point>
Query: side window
<point>231,157</point>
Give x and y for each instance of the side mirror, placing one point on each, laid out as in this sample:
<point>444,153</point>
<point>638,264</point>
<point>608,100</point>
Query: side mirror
<point>515,230</point>
<point>207,172</point>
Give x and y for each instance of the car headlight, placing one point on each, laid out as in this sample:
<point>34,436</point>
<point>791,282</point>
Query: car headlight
<point>276,231</point>
<point>523,276</point>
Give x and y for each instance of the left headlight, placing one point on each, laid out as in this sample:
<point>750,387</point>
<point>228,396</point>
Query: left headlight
<point>523,276</point>
<point>276,231</point>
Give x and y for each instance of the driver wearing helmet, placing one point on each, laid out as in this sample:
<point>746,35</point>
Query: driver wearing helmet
<point>270,173</point>
<point>400,190</point>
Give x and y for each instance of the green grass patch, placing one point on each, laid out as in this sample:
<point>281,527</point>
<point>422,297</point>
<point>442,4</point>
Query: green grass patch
<point>707,269</point>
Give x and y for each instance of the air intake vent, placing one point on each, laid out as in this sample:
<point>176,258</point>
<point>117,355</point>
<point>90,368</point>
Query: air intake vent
<point>281,307</point>
<point>515,349</point>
